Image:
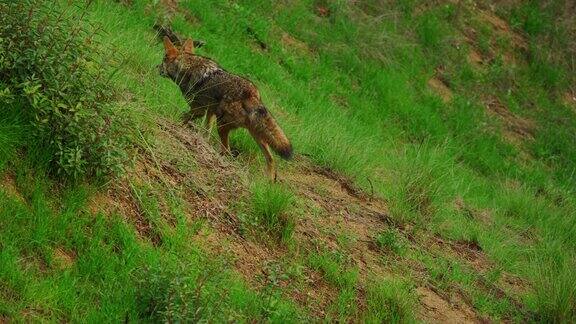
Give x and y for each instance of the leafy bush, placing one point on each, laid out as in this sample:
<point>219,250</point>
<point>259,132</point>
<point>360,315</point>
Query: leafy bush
<point>51,67</point>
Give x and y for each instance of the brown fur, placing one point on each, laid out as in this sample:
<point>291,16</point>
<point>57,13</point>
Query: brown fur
<point>234,101</point>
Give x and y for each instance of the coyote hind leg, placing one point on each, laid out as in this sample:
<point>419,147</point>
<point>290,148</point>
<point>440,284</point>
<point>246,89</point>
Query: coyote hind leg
<point>210,118</point>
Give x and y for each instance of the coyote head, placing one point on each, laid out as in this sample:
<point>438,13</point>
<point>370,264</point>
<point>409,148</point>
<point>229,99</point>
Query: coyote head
<point>172,64</point>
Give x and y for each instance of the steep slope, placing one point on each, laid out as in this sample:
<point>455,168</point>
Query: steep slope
<point>433,178</point>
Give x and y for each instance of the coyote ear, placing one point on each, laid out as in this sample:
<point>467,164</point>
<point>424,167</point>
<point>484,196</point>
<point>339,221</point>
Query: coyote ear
<point>171,51</point>
<point>188,46</point>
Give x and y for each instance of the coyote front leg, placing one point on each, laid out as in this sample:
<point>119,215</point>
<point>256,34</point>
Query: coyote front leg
<point>223,131</point>
<point>270,167</point>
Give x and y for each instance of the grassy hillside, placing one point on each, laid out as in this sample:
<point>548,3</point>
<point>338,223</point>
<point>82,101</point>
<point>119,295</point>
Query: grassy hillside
<point>433,180</point>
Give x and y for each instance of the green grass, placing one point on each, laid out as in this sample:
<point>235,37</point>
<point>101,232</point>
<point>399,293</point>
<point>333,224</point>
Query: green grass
<point>355,99</point>
<point>336,271</point>
<point>390,240</point>
<point>269,211</point>
<point>390,301</point>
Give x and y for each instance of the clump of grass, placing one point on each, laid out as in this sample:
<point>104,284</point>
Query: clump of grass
<point>333,267</point>
<point>52,69</point>
<point>171,294</point>
<point>555,298</point>
<point>431,31</point>
<point>390,301</point>
<point>335,270</point>
<point>390,240</point>
<point>269,210</point>
<point>416,196</point>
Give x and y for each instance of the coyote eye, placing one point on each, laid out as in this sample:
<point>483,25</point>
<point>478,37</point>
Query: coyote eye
<point>261,111</point>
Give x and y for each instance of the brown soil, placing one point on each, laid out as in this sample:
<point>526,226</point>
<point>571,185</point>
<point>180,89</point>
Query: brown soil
<point>436,309</point>
<point>468,251</point>
<point>475,58</point>
<point>291,43</point>
<point>8,184</point>
<point>64,259</point>
<point>501,26</point>
<point>322,11</point>
<point>343,210</point>
<point>441,89</point>
<point>569,100</point>
<point>517,129</point>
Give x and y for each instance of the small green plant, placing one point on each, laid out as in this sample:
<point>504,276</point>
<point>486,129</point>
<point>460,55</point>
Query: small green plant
<point>51,67</point>
<point>336,269</point>
<point>269,210</point>
<point>333,267</point>
<point>171,294</point>
<point>390,240</point>
<point>431,31</point>
<point>390,301</point>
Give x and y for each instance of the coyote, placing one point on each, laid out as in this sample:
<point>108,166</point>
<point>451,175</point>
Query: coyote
<point>232,100</point>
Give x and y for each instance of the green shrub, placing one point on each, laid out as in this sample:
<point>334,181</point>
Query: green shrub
<point>52,69</point>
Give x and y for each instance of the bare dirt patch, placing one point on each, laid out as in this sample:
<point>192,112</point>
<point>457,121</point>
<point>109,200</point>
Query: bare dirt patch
<point>8,184</point>
<point>436,309</point>
<point>441,89</point>
<point>475,58</point>
<point>514,286</point>
<point>501,26</point>
<point>128,205</point>
<point>345,211</point>
<point>517,129</point>
<point>468,251</point>
<point>64,259</point>
<point>322,11</point>
<point>101,201</point>
<point>291,43</point>
<point>345,183</point>
<point>569,99</point>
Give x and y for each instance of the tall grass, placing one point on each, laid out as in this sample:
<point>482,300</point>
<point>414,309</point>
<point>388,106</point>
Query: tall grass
<point>390,301</point>
<point>269,211</point>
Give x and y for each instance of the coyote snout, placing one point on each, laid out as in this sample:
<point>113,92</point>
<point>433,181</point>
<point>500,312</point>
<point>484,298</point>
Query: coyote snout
<point>234,101</point>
